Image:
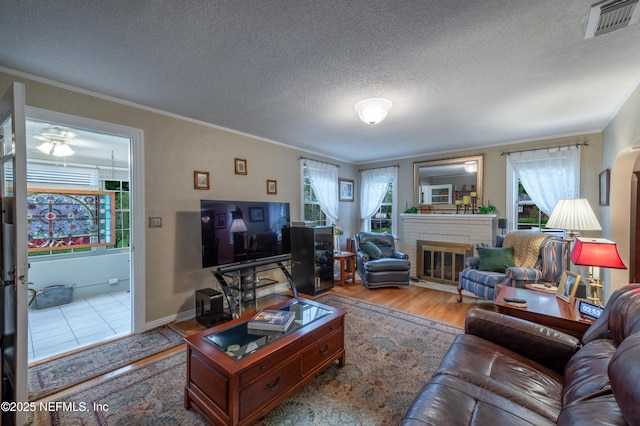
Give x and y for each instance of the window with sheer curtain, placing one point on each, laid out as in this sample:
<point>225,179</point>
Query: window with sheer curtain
<point>378,185</point>
<point>322,179</point>
<point>546,175</point>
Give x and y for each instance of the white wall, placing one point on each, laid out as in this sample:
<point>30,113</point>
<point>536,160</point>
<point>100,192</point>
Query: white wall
<point>174,148</point>
<point>90,274</point>
<point>622,132</point>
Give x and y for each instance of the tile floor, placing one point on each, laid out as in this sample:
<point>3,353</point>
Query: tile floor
<point>83,322</point>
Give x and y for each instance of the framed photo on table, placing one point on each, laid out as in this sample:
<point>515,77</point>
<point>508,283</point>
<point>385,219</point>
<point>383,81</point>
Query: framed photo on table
<point>568,286</point>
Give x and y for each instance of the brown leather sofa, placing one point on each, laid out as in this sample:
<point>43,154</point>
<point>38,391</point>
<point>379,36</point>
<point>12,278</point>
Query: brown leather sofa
<point>505,370</point>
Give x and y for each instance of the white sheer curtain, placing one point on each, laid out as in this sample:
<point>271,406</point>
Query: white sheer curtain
<point>548,175</point>
<point>324,181</point>
<point>374,185</point>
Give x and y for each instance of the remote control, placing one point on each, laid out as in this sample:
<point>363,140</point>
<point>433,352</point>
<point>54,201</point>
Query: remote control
<point>513,300</point>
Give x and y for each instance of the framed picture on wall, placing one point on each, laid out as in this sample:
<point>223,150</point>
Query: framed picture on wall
<point>200,180</point>
<point>345,190</point>
<point>221,221</point>
<point>604,187</point>
<point>241,166</point>
<point>272,187</point>
<point>256,214</point>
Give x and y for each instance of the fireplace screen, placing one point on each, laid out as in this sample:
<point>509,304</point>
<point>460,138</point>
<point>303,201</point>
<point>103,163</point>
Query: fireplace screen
<point>441,262</point>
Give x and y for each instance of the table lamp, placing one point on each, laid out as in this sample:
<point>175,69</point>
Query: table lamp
<point>237,229</point>
<point>599,253</point>
<point>573,215</point>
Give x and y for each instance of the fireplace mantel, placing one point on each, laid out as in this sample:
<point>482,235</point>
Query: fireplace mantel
<point>446,216</point>
<point>474,229</point>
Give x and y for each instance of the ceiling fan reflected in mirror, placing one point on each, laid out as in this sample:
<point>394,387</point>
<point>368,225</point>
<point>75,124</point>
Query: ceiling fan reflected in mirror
<point>55,141</point>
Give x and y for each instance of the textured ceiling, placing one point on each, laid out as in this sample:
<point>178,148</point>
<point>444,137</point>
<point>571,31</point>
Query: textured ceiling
<point>460,73</point>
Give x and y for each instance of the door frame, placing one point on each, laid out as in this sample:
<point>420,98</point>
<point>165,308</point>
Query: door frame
<point>15,97</point>
<point>136,152</point>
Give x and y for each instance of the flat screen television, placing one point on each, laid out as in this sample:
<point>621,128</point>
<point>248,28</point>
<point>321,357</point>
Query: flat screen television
<point>243,231</point>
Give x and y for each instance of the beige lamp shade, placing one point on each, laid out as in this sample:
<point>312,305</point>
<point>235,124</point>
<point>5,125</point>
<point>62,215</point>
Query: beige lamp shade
<point>574,215</point>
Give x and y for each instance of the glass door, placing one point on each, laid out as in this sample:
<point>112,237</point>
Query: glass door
<point>13,245</point>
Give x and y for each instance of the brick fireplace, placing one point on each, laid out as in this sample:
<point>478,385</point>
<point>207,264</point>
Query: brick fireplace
<point>467,229</point>
<point>441,262</point>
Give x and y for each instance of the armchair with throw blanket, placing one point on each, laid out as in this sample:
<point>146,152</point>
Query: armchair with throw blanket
<point>379,264</point>
<point>526,257</point>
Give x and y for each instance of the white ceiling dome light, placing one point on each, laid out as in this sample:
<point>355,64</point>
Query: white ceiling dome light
<point>373,110</point>
<point>55,141</point>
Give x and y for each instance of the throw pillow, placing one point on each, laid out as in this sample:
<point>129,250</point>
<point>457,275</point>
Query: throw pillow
<point>495,259</point>
<point>371,249</point>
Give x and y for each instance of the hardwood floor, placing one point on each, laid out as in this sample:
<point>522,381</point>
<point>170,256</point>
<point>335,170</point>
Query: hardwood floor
<point>435,304</point>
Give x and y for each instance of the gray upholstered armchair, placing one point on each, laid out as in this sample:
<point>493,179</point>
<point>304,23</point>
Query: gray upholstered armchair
<point>379,264</point>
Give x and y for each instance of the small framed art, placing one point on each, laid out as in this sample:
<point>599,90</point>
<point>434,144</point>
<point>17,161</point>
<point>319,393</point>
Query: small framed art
<point>604,187</point>
<point>221,221</point>
<point>241,166</point>
<point>200,180</point>
<point>569,283</point>
<point>345,190</point>
<point>256,214</point>
<point>272,187</point>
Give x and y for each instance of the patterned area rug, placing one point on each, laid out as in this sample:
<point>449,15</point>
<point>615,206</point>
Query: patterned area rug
<point>61,373</point>
<point>390,355</point>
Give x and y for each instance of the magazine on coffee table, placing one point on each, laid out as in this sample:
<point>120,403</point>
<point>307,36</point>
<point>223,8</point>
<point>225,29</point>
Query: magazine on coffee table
<point>273,320</point>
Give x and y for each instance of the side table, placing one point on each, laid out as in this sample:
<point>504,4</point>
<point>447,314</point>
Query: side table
<point>544,308</point>
<point>347,266</point>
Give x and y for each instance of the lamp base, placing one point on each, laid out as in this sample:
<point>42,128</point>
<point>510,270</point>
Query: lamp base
<point>595,286</point>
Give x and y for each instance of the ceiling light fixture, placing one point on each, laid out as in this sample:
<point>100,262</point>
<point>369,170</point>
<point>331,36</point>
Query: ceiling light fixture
<point>55,141</point>
<point>55,148</point>
<point>373,110</point>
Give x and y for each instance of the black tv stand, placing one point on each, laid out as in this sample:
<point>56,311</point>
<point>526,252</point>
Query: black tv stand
<point>242,279</point>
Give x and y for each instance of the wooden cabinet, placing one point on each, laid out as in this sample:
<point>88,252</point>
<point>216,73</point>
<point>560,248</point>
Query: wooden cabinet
<point>240,391</point>
<point>312,259</point>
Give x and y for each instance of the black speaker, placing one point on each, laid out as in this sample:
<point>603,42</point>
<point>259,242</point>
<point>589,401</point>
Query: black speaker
<point>209,307</point>
<point>502,224</point>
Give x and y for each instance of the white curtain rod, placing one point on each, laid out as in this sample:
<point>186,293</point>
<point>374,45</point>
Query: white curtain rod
<point>325,162</point>
<point>547,148</point>
<point>375,168</point>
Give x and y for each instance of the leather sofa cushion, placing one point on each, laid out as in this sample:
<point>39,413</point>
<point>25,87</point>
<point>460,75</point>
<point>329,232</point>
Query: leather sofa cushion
<point>493,368</point>
<point>448,400</point>
<point>624,371</point>
<point>601,411</point>
<point>586,374</point>
<point>387,264</point>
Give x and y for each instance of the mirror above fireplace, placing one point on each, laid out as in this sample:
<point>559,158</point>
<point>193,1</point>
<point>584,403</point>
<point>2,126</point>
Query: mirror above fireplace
<point>439,183</point>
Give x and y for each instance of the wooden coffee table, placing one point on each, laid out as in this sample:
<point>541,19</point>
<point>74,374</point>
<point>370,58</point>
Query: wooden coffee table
<point>546,309</point>
<point>235,376</point>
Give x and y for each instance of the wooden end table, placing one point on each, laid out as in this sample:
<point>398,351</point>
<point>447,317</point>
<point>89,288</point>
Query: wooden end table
<point>236,375</point>
<point>544,308</point>
<point>347,266</point>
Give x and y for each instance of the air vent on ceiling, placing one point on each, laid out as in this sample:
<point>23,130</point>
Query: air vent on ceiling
<point>608,16</point>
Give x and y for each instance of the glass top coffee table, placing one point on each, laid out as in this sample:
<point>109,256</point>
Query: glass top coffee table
<point>236,375</point>
<point>240,340</point>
